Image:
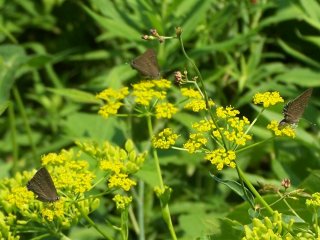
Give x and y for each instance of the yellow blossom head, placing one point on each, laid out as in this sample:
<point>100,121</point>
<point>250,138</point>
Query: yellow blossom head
<point>146,91</point>
<point>164,139</point>
<point>267,98</point>
<point>281,130</point>
<point>220,158</point>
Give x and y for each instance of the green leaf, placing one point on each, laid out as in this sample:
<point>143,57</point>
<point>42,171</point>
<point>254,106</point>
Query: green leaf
<point>3,106</point>
<point>297,54</point>
<point>237,188</point>
<point>76,95</point>
<point>12,57</point>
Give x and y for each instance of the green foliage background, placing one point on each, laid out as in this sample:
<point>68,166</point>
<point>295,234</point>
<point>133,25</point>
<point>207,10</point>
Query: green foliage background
<point>56,55</point>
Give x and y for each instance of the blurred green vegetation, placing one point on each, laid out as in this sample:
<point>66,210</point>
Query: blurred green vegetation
<point>56,55</point>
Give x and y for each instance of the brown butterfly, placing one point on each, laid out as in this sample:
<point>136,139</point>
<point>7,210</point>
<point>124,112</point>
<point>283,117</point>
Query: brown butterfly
<point>42,185</point>
<point>147,64</point>
<point>294,109</point>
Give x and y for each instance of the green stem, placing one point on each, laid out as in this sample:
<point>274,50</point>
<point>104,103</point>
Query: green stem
<point>254,191</point>
<point>291,209</point>
<point>141,210</point>
<point>124,224</point>
<point>133,220</point>
<point>92,223</point>
<point>316,223</point>
<point>204,92</point>
<point>15,151</point>
<point>26,122</point>
<point>164,209</point>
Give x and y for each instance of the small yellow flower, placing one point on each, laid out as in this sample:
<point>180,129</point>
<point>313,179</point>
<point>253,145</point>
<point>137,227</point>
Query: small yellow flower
<point>165,110</point>
<point>109,109</point>
<point>226,112</point>
<point>267,98</point>
<point>121,180</point>
<point>122,201</point>
<point>53,210</point>
<point>190,93</point>
<point>236,130</point>
<point>164,139</point>
<point>314,201</point>
<point>220,157</point>
<point>283,131</point>
<point>48,214</point>
<point>162,83</point>
<point>112,98</point>
<point>56,159</point>
<point>195,142</point>
<point>204,125</point>
<point>19,197</point>
<point>110,94</point>
<point>196,105</point>
<point>68,172</point>
<point>114,166</point>
<point>145,91</point>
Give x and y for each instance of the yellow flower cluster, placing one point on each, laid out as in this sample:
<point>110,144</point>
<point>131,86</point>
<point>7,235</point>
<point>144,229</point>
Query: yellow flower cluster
<point>113,100</point>
<point>121,180</point>
<point>237,131</point>
<point>235,128</point>
<point>190,93</point>
<point>110,94</point>
<point>283,131</point>
<point>164,139</point>
<point>195,142</point>
<point>220,158</point>
<point>145,91</point>
<point>19,197</point>
<point>314,201</point>
<point>204,125</point>
<point>114,166</point>
<point>267,98</point>
<point>165,110</point>
<point>196,105</point>
<point>196,102</point>
<point>68,172</point>
<point>226,112</point>
<point>53,210</point>
<point>114,158</point>
<point>269,228</point>
<point>122,202</point>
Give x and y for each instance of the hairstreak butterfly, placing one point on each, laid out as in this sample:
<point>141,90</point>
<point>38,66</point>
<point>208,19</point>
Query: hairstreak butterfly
<point>42,185</point>
<point>294,109</point>
<point>147,64</point>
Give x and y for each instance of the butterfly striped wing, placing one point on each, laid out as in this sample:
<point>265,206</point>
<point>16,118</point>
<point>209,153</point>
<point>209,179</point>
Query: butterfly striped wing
<point>294,109</point>
<point>42,185</point>
<point>147,64</point>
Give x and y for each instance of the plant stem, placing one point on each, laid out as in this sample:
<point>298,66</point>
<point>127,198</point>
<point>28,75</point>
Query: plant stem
<point>15,151</point>
<point>204,92</point>
<point>141,210</point>
<point>92,223</point>
<point>254,191</point>
<point>316,223</point>
<point>26,122</point>
<point>164,208</point>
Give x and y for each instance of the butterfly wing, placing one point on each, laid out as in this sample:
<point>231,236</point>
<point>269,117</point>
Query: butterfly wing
<point>294,109</point>
<point>42,185</point>
<point>147,64</point>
